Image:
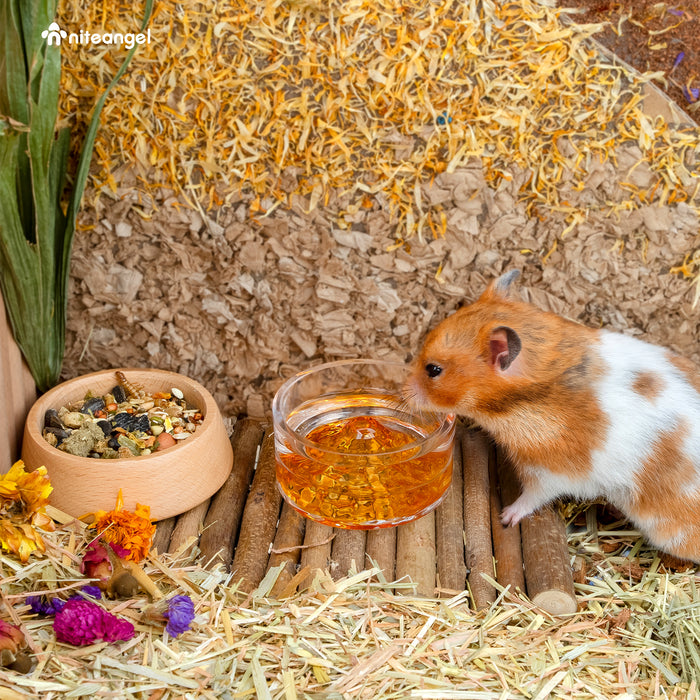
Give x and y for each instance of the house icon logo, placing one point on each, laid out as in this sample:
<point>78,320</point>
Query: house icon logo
<point>54,34</point>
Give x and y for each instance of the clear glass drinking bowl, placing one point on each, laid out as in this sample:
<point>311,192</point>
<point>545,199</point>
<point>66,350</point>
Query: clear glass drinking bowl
<point>351,454</point>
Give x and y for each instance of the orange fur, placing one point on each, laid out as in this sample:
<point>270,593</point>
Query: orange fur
<point>687,368</point>
<point>660,484</point>
<point>647,384</point>
<point>660,489</point>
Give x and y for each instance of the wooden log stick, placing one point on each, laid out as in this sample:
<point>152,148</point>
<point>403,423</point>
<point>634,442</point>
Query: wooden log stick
<point>477,516</point>
<point>381,549</point>
<point>449,532</point>
<point>507,548</point>
<point>226,509</point>
<point>317,550</point>
<point>164,529</point>
<point>286,549</point>
<point>188,528</point>
<point>259,522</point>
<point>415,554</point>
<point>347,552</point>
<point>548,575</point>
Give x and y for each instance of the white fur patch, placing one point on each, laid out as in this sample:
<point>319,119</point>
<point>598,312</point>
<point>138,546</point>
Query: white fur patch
<point>636,423</point>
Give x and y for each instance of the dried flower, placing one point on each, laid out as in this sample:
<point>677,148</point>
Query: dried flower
<point>691,94</point>
<point>120,551</point>
<point>679,58</point>
<point>180,615</point>
<point>42,606</point>
<point>12,645</point>
<point>92,591</point>
<point>11,639</point>
<point>23,499</point>
<point>96,562</point>
<point>132,531</point>
<point>106,563</point>
<point>83,622</point>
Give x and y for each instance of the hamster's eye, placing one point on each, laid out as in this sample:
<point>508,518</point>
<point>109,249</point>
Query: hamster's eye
<point>433,370</point>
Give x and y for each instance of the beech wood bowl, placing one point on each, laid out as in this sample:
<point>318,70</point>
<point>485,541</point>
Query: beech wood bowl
<point>170,481</point>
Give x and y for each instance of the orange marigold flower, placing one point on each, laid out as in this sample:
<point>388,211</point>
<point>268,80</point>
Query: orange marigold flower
<point>132,531</point>
<point>23,499</point>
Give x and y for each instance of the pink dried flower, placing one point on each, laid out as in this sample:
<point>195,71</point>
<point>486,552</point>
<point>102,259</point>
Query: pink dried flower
<point>96,562</point>
<point>11,637</point>
<point>12,646</point>
<point>120,551</point>
<point>83,622</point>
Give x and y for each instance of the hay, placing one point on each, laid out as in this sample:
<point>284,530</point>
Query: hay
<point>636,634</point>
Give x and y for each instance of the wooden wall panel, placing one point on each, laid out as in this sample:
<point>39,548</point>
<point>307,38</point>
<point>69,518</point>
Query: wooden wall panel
<point>18,393</point>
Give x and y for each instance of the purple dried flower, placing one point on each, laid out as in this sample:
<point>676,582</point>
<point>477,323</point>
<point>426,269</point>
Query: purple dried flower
<point>37,605</point>
<point>43,606</point>
<point>691,94</point>
<point>83,622</point>
<point>180,615</point>
<point>677,13</point>
<point>679,58</point>
<point>92,591</point>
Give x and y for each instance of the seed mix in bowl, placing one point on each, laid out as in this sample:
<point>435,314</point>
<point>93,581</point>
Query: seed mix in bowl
<point>125,422</point>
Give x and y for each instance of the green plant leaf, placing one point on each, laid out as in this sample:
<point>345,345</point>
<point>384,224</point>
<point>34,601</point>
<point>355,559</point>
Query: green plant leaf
<point>36,235</point>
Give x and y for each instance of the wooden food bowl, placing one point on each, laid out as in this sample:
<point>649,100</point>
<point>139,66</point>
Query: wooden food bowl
<point>170,481</point>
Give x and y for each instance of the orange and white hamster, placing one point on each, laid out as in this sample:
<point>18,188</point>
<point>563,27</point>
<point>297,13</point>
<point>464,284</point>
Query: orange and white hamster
<point>582,412</point>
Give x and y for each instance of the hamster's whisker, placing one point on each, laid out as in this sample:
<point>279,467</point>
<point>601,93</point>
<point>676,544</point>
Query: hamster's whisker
<point>402,406</point>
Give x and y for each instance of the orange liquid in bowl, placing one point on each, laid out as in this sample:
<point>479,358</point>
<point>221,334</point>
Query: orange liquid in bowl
<point>360,463</point>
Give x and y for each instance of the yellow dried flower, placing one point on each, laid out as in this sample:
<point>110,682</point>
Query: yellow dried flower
<point>132,531</point>
<point>23,499</point>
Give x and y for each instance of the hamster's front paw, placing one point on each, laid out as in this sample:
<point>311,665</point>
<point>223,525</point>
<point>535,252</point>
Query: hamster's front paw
<point>511,515</point>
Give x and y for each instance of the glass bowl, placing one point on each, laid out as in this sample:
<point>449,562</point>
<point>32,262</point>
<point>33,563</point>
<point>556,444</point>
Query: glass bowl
<point>350,452</point>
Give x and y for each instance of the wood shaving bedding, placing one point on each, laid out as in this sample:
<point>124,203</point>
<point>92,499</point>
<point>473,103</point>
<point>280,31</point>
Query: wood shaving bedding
<point>288,182</point>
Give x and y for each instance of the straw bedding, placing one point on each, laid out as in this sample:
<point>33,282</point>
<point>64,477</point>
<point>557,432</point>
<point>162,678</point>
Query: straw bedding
<point>636,634</point>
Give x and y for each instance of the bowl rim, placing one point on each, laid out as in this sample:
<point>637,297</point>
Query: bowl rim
<point>36,413</point>
<point>446,421</point>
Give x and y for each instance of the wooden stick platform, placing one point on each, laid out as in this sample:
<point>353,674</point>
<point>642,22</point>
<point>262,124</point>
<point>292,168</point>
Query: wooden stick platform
<point>248,528</point>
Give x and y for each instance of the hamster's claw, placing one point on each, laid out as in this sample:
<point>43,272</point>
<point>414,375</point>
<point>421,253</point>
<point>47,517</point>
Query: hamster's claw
<point>524,505</point>
<point>510,516</point>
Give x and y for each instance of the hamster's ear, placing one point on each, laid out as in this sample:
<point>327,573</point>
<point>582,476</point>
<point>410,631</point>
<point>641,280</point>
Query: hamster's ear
<point>505,346</point>
<point>502,286</point>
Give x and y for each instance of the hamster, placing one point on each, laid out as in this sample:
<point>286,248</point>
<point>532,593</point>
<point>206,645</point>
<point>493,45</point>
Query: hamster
<point>582,412</point>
